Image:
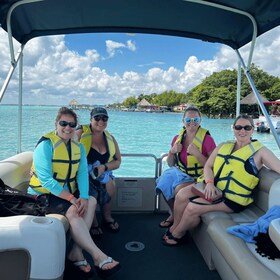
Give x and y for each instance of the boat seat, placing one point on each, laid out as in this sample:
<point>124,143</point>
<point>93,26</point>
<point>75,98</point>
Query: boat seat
<point>230,255</point>
<point>15,172</point>
<point>18,233</point>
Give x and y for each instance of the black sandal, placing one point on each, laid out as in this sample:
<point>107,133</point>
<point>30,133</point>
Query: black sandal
<point>167,233</point>
<point>111,226</point>
<point>167,223</point>
<point>96,232</point>
<point>171,237</point>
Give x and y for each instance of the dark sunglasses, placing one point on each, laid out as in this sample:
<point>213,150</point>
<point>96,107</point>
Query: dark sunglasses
<point>65,123</point>
<point>246,127</point>
<point>98,118</point>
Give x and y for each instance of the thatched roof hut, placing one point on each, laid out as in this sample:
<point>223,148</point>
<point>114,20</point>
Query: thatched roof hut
<point>73,104</point>
<point>251,99</point>
<point>144,103</point>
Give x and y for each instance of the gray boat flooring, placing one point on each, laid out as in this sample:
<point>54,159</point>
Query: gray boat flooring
<point>156,261</point>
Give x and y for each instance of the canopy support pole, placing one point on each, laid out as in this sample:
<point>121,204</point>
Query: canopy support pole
<point>11,71</point>
<point>238,90</point>
<point>20,105</point>
<point>14,62</point>
<point>9,28</point>
<point>251,82</point>
<point>252,47</point>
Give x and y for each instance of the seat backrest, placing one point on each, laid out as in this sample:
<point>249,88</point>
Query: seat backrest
<point>15,171</point>
<point>268,190</point>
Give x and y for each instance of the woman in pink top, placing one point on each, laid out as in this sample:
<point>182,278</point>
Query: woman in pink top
<point>189,151</point>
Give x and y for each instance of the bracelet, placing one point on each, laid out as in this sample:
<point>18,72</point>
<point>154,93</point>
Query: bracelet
<point>106,167</point>
<point>209,181</point>
<point>69,197</point>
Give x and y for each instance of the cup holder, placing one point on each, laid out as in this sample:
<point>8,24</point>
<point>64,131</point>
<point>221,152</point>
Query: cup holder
<point>41,220</point>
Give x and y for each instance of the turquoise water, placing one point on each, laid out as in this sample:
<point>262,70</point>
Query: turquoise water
<point>136,132</point>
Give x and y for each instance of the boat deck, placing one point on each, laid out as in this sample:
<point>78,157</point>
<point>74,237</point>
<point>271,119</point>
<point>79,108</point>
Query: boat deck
<point>155,261</point>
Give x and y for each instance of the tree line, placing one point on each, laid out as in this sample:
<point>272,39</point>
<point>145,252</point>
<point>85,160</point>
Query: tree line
<point>216,95</point>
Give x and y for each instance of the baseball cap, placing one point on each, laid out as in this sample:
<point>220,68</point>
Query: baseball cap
<point>99,111</point>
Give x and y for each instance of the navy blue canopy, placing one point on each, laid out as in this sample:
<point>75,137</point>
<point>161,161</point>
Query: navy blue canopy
<point>170,17</point>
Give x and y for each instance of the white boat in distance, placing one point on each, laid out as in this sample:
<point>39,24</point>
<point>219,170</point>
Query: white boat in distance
<point>29,248</point>
<point>261,124</point>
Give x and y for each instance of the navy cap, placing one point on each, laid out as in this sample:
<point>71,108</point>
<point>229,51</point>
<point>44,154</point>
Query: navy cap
<point>99,111</point>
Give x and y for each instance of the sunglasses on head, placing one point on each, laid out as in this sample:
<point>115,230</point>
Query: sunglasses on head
<point>98,118</point>
<point>188,120</point>
<point>246,127</point>
<point>65,123</point>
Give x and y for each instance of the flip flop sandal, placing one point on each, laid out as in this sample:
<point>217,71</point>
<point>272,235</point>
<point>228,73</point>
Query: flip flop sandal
<point>111,226</point>
<point>167,224</point>
<point>167,234</point>
<point>171,237</point>
<point>76,265</point>
<point>105,273</point>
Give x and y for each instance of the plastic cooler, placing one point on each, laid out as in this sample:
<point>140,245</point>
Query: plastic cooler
<point>42,237</point>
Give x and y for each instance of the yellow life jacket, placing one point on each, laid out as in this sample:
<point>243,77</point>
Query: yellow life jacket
<point>86,139</point>
<point>64,168</point>
<point>230,174</point>
<point>194,167</point>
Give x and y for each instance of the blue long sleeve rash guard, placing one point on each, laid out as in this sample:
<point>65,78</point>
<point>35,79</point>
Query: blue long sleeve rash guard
<point>42,158</point>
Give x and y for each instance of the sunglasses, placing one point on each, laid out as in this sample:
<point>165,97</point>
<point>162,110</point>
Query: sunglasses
<point>246,127</point>
<point>196,120</point>
<point>98,118</point>
<point>65,123</point>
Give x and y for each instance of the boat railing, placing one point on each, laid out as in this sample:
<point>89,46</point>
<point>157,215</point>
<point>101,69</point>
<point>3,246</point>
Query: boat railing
<point>144,156</point>
<point>135,191</point>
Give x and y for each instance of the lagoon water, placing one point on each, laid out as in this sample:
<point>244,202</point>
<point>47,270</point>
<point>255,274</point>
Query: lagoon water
<point>136,132</point>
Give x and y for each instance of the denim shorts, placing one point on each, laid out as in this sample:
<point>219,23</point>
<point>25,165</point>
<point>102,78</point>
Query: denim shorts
<point>98,190</point>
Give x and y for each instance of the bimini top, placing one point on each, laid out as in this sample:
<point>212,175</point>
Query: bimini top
<point>232,26</point>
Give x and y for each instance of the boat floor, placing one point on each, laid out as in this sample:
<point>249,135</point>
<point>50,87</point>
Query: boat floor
<point>156,261</point>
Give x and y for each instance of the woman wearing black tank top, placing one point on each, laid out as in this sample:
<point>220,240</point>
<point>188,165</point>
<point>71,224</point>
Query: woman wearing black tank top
<point>103,156</point>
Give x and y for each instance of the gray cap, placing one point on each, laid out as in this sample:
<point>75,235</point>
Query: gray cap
<point>99,111</point>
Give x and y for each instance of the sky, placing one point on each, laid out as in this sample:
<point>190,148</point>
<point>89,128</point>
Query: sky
<point>107,68</point>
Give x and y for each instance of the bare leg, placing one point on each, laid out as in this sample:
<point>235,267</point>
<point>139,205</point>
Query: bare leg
<point>95,229</point>
<point>191,218</point>
<point>170,203</point>
<point>192,213</point>
<point>107,208</point>
<point>79,228</point>
<point>181,202</point>
<point>169,221</point>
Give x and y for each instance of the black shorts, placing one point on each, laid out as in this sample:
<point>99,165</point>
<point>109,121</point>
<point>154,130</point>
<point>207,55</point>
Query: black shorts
<point>235,207</point>
<point>57,205</point>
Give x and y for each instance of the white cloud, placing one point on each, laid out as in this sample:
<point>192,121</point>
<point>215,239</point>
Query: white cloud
<point>151,64</point>
<point>131,45</point>
<point>54,74</point>
<point>113,47</point>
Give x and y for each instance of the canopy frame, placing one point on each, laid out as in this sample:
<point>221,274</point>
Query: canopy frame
<point>246,67</point>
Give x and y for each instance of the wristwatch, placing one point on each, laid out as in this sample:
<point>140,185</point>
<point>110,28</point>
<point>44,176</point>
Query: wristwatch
<point>106,167</point>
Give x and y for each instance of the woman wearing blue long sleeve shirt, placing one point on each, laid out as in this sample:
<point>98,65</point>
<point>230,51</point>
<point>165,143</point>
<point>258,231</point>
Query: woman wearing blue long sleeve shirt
<point>60,170</point>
